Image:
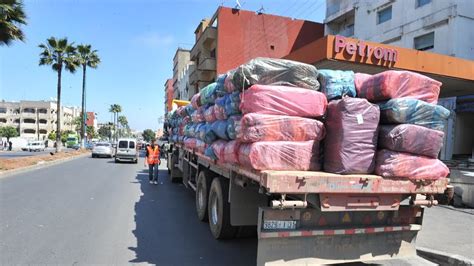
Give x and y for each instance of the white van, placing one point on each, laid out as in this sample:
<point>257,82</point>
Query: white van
<point>126,150</point>
<point>35,146</point>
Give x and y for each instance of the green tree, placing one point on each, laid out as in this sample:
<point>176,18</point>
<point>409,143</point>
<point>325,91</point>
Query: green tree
<point>77,122</point>
<point>8,132</point>
<point>104,132</point>
<point>122,120</point>
<point>91,133</point>
<point>52,136</point>
<point>12,16</point>
<point>87,58</point>
<point>148,135</point>
<point>65,134</point>
<point>115,109</point>
<point>59,54</point>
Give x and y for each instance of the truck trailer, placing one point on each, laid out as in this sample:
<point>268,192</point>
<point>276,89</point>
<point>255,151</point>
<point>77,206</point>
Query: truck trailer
<point>307,217</point>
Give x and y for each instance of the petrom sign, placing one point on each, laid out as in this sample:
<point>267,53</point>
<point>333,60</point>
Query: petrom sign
<point>341,44</point>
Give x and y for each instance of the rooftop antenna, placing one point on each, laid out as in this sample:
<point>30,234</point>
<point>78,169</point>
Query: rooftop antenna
<point>261,10</point>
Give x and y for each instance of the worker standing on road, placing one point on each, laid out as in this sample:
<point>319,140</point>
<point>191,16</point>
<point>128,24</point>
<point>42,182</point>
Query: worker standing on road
<point>152,158</point>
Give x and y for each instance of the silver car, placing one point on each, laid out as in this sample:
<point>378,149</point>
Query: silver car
<point>102,149</point>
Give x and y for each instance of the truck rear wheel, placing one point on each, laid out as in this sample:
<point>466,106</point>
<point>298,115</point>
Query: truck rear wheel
<point>202,195</point>
<point>219,210</point>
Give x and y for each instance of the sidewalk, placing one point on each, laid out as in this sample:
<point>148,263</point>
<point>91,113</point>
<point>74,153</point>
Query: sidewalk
<point>449,230</point>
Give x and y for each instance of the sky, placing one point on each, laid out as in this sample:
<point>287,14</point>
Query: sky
<point>136,41</point>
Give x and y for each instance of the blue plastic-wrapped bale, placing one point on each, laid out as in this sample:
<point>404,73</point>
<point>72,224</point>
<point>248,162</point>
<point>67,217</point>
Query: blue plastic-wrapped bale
<point>219,128</point>
<point>209,152</point>
<point>189,110</point>
<point>337,83</point>
<point>209,135</point>
<point>220,89</point>
<point>197,130</point>
<point>232,104</point>
<point>232,125</point>
<point>208,94</point>
<point>413,111</point>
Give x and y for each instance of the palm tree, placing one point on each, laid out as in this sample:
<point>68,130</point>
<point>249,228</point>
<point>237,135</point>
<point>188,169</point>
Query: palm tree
<point>11,17</point>
<point>122,120</point>
<point>59,54</point>
<point>115,109</point>
<point>87,58</point>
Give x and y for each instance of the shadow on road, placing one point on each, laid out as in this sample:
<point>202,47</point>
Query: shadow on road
<point>169,233</point>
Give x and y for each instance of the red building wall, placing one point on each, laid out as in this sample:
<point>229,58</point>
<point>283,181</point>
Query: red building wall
<point>169,93</point>
<point>243,35</point>
<point>90,119</point>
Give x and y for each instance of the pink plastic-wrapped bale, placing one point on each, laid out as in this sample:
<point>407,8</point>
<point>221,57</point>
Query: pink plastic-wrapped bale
<point>351,136</point>
<point>392,164</point>
<point>261,127</point>
<point>196,101</point>
<point>283,100</point>
<point>412,139</point>
<point>201,146</point>
<point>198,115</point>
<point>219,112</point>
<point>281,155</point>
<point>218,148</point>
<point>210,114</point>
<point>397,84</point>
<point>190,143</point>
<point>231,151</point>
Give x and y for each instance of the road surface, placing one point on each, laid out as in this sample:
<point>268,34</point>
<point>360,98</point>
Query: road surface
<point>93,211</point>
<point>17,154</point>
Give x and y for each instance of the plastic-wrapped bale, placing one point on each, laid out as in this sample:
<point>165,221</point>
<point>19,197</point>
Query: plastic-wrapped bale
<point>261,127</point>
<point>196,101</point>
<point>412,111</point>
<point>206,134</point>
<point>190,143</point>
<point>273,71</point>
<point>219,128</point>
<point>411,138</point>
<point>220,90</point>
<point>231,152</point>
<point>399,84</point>
<point>219,108</point>
<point>181,111</point>
<point>283,100</point>
<point>233,123</point>
<point>218,149</point>
<point>210,114</point>
<point>228,82</point>
<point>208,94</point>
<point>198,115</point>
<point>337,83</point>
<point>232,103</point>
<point>209,152</point>
<point>197,130</point>
<point>351,136</point>
<point>281,155</point>
<point>392,164</point>
<point>189,110</point>
<point>359,79</point>
<point>201,146</point>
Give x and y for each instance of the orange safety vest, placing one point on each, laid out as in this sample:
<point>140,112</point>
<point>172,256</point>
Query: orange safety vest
<point>153,155</point>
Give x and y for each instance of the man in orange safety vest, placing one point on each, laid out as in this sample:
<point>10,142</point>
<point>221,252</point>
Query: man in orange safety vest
<point>152,158</point>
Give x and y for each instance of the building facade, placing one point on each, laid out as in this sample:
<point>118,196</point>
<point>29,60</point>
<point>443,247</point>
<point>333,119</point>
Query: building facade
<point>184,88</point>
<point>181,60</point>
<point>423,25</point>
<point>34,120</point>
<point>232,37</point>
<point>91,120</point>
<point>168,95</point>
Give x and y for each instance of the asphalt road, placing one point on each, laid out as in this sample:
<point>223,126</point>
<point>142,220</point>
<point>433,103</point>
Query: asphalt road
<point>16,154</point>
<point>93,211</point>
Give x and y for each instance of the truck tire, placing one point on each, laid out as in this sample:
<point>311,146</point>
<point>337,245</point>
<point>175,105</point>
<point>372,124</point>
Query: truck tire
<point>219,210</point>
<point>202,195</point>
<point>172,173</point>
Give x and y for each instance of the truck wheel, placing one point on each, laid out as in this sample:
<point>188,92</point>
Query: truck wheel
<point>219,210</point>
<point>202,195</point>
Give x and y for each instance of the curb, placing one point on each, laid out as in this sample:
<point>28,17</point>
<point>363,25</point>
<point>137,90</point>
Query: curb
<point>443,258</point>
<point>8,173</point>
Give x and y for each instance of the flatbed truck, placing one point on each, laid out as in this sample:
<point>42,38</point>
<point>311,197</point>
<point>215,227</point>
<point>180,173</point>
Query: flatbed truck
<point>306,217</point>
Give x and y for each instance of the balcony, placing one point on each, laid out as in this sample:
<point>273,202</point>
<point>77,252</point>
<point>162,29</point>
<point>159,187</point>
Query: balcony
<point>201,75</point>
<point>204,42</point>
<point>28,115</point>
<point>207,64</point>
<point>337,9</point>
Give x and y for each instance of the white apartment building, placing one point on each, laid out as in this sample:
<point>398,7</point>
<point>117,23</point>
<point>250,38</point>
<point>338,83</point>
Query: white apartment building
<point>34,120</point>
<point>185,90</point>
<point>439,26</point>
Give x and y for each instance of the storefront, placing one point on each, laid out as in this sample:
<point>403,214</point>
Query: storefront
<point>457,76</point>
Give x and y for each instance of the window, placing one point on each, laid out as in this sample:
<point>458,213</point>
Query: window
<point>131,145</point>
<point>424,42</point>
<point>421,3</point>
<point>123,144</point>
<point>3,110</point>
<point>384,15</point>
<point>213,53</point>
<point>347,31</point>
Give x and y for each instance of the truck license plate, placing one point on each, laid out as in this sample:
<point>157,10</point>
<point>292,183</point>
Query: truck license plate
<point>275,225</point>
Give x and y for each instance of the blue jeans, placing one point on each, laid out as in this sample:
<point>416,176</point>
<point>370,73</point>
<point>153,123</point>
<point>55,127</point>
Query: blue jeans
<point>153,172</point>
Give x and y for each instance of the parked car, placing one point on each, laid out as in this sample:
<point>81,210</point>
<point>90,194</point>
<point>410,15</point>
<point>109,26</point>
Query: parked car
<point>35,146</point>
<point>102,149</point>
<point>127,150</point>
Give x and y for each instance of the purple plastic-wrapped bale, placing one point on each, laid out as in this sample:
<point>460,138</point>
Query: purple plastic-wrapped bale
<point>351,136</point>
<point>392,164</point>
<point>411,138</point>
